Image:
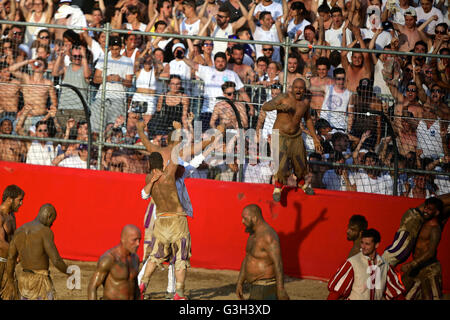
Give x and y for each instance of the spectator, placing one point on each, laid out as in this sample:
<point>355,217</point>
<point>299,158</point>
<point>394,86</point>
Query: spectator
<point>265,32</point>
<point>41,152</point>
<point>396,13</point>
<point>368,180</point>
<point>224,27</point>
<point>224,113</point>
<point>333,179</point>
<point>266,120</point>
<point>431,134</point>
<point>274,8</point>
<point>409,34</point>
<point>417,187</point>
<point>360,66</point>
<point>340,142</point>
<point>76,74</point>
<point>273,72</point>
<point>9,93</point>
<point>37,90</point>
<point>119,75</point>
<point>294,21</point>
<point>363,110</point>
<point>427,11</point>
<point>191,24</point>
<point>179,67</point>
<point>234,8</point>
<point>173,106</point>
<point>10,149</point>
<point>268,50</point>
<point>131,50</point>
<point>333,36</point>
<point>205,58</point>
<point>244,71</point>
<point>73,157</point>
<point>319,83</point>
<point>335,103</point>
<point>40,13</point>
<point>316,172</point>
<point>146,84</point>
<point>292,74</point>
<point>133,19</point>
<point>213,79</point>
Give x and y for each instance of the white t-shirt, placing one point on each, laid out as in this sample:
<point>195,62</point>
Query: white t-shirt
<point>334,107</point>
<point>214,80</point>
<point>274,8</point>
<point>379,85</point>
<point>122,67</point>
<point>41,154</point>
<point>258,173</point>
<point>334,36</point>
<point>272,36</point>
<point>422,17</point>
<point>443,183</point>
<point>383,38</point>
<point>142,26</point>
<point>429,140</point>
<point>97,51</point>
<point>73,162</point>
<point>180,68</point>
<point>366,184</point>
<point>293,28</point>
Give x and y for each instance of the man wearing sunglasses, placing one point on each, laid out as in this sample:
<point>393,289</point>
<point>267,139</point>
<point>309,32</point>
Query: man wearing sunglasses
<point>41,152</point>
<point>408,102</point>
<point>77,73</point>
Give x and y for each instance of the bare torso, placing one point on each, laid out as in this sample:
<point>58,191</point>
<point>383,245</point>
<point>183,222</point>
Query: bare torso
<point>9,96</point>
<point>165,195</point>
<point>355,74</point>
<point>11,150</point>
<point>227,117</point>
<point>289,122</point>
<point>244,72</point>
<point>259,265</point>
<point>35,94</point>
<point>408,39</point>
<point>423,242</point>
<point>120,283</point>
<point>9,226</point>
<point>317,88</point>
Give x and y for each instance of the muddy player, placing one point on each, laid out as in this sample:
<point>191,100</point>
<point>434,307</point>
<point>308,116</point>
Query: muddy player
<point>423,275</point>
<point>34,244</point>
<point>262,266</point>
<point>171,238</point>
<point>410,225</point>
<point>36,89</point>
<point>291,108</point>
<point>117,269</point>
<point>356,225</point>
<point>11,202</point>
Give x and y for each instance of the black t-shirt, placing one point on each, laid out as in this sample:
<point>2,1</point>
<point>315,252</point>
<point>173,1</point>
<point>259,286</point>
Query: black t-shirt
<point>235,14</point>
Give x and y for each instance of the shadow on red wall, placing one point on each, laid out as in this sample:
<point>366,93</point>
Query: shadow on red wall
<point>93,207</point>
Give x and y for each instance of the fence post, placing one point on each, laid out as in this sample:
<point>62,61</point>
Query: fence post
<point>287,46</point>
<point>102,101</point>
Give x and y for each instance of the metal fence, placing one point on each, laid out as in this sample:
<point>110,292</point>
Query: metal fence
<point>100,143</point>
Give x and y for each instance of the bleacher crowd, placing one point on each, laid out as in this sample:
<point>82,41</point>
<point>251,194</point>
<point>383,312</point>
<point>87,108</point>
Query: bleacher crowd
<point>164,79</point>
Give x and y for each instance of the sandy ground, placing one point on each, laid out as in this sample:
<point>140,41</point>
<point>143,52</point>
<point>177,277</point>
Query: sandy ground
<point>201,284</point>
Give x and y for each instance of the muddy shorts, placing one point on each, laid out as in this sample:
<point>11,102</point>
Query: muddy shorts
<point>265,289</point>
<point>171,242</point>
<point>426,285</point>
<point>292,153</point>
<point>35,285</point>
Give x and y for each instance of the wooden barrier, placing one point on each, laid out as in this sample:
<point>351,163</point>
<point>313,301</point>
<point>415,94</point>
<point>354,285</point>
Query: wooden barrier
<point>93,207</point>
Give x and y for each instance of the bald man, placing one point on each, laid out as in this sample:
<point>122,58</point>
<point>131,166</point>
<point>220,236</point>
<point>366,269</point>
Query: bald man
<point>291,108</point>
<point>117,269</point>
<point>262,266</point>
<point>34,243</point>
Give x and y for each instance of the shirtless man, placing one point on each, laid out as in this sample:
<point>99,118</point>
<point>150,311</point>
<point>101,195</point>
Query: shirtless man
<point>10,149</point>
<point>225,113</point>
<point>292,73</point>
<point>117,269</point>
<point>262,266</point>
<point>9,92</point>
<point>409,34</point>
<point>356,225</point>
<point>318,84</point>
<point>171,234</point>
<point>291,108</point>
<point>423,275</point>
<point>360,66</point>
<point>36,89</point>
<point>33,243</point>
<point>244,71</point>
<point>410,225</point>
<point>11,202</point>
<point>408,102</point>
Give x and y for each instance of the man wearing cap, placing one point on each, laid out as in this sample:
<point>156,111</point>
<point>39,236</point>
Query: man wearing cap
<point>119,76</point>
<point>409,34</point>
<point>396,11</point>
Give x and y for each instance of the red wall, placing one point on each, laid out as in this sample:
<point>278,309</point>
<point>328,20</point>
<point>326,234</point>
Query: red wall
<point>93,207</point>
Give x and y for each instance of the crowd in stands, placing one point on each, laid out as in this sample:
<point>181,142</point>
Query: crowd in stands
<point>364,105</point>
